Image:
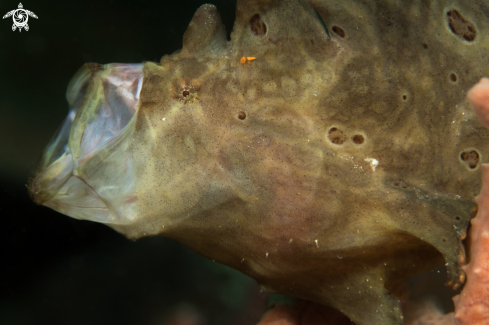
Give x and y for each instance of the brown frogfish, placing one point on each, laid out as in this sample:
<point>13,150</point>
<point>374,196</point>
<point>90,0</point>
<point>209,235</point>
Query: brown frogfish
<point>328,149</point>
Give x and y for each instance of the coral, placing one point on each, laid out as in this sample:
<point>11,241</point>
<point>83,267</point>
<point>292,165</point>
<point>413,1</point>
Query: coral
<point>304,313</point>
<point>333,163</point>
<point>479,97</point>
<point>472,305</point>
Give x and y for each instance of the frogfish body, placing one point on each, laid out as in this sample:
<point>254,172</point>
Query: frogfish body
<point>327,150</point>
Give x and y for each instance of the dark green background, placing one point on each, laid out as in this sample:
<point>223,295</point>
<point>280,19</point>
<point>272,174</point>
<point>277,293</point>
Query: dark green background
<point>57,270</point>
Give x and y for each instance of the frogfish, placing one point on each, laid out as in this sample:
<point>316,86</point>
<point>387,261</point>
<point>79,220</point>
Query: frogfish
<point>328,149</point>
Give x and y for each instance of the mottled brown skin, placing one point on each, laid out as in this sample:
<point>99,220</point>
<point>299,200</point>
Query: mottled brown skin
<point>345,176</point>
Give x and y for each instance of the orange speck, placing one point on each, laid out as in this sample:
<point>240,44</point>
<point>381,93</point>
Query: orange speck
<point>245,59</point>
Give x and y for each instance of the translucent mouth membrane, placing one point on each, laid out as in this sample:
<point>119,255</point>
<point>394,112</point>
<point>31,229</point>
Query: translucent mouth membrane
<point>103,101</point>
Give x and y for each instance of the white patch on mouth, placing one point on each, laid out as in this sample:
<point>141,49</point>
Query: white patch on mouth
<point>140,85</point>
<point>373,162</point>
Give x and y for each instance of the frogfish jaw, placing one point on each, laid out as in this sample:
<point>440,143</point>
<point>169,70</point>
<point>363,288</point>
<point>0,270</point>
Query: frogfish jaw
<point>103,102</point>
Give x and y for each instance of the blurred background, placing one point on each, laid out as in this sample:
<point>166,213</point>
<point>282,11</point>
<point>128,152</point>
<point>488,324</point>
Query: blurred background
<point>57,270</point>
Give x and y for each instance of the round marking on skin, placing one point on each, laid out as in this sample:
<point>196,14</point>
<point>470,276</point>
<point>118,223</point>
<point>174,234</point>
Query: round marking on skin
<point>358,139</point>
<point>453,77</point>
<point>306,80</point>
<point>461,27</point>
<point>470,158</point>
<point>336,136</point>
<point>339,31</point>
<point>270,87</point>
<point>241,115</point>
<point>289,86</point>
<point>354,74</point>
<point>187,90</point>
<point>232,87</point>
<point>380,107</point>
<point>250,94</point>
<point>187,94</point>
<point>257,26</point>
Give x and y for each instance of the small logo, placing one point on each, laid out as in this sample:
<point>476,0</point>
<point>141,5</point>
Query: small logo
<point>20,17</point>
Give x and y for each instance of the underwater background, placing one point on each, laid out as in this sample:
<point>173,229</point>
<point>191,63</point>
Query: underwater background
<point>58,270</point>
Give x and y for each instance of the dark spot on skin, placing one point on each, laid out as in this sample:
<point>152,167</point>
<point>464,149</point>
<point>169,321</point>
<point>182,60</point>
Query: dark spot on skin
<point>425,46</point>
<point>187,94</point>
<point>401,184</point>
<point>444,240</point>
<point>404,97</point>
<point>453,77</point>
<point>241,115</point>
<point>339,31</point>
<point>461,27</point>
<point>470,158</point>
<point>257,26</point>
<point>458,218</point>
<point>358,139</point>
<point>336,136</point>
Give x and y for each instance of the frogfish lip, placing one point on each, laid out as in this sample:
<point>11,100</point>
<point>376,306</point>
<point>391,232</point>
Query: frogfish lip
<point>56,164</point>
<point>103,103</point>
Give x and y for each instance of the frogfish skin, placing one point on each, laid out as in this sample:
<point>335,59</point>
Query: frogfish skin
<point>327,150</point>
